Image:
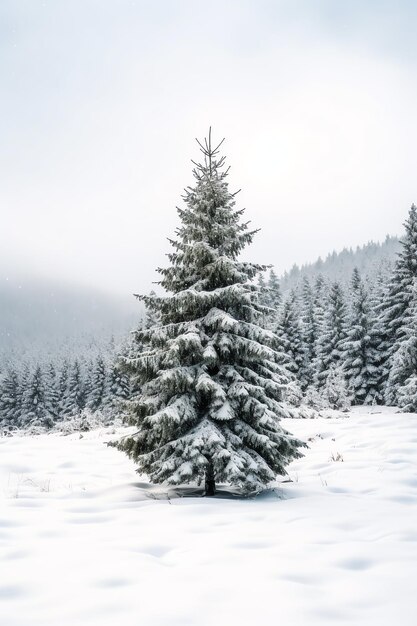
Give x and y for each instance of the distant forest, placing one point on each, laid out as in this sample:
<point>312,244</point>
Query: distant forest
<point>345,327</point>
<point>368,259</point>
<point>42,321</point>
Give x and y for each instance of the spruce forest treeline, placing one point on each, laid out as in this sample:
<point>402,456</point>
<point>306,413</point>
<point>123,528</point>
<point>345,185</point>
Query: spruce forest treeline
<point>355,344</point>
<point>369,259</point>
<point>344,343</point>
<point>41,396</point>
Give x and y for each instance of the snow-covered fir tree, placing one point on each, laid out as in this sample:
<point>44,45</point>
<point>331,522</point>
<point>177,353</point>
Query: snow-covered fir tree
<point>35,410</point>
<point>212,386</point>
<point>119,387</point>
<point>151,317</point>
<point>52,391</point>
<point>25,374</point>
<point>361,363</point>
<point>290,338</point>
<point>403,370</point>
<point>407,395</point>
<point>74,401</point>
<point>398,301</point>
<point>263,290</point>
<point>275,296</point>
<point>9,400</point>
<point>269,297</point>
<point>333,335</point>
<point>309,332</point>
<point>378,332</point>
<point>97,395</point>
<point>319,297</point>
<point>335,390</point>
<point>63,384</point>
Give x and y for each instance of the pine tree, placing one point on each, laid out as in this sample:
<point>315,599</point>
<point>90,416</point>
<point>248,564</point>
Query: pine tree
<point>52,394</point>
<point>63,383</point>
<point>399,299</point>
<point>270,298</point>
<point>212,388</point>
<point>309,333</point>
<point>379,335</point>
<point>119,386</point>
<point>330,343</point>
<point>320,294</point>
<point>152,317</point>
<point>98,388</point>
<point>289,336</point>
<point>9,400</point>
<point>35,405</point>
<point>25,376</point>
<point>360,356</point>
<point>404,363</point>
<point>263,290</point>
<point>335,390</point>
<point>275,296</point>
<point>356,282</point>
<point>407,395</point>
<point>75,397</point>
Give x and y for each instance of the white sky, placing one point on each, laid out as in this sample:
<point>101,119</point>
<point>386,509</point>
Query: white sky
<point>101,100</point>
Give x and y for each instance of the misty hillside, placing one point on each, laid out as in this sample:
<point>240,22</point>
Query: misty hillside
<point>47,319</point>
<point>42,318</point>
<point>338,266</point>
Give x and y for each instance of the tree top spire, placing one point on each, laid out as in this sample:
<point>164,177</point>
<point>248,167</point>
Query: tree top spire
<point>209,153</point>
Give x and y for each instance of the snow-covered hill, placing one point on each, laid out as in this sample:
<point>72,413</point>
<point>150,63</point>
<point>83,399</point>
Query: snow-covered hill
<point>42,319</point>
<point>85,541</point>
<point>369,259</point>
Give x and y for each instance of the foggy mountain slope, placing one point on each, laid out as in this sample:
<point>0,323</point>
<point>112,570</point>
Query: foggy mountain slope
<point>43,318</point>
<point>338,266</point>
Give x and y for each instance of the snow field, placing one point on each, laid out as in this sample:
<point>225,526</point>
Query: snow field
<point>85,541</point>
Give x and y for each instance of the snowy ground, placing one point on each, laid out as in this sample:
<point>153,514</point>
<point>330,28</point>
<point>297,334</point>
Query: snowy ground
<point>83,542</point>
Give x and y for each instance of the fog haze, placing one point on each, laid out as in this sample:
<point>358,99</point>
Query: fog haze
<point>101,101</point>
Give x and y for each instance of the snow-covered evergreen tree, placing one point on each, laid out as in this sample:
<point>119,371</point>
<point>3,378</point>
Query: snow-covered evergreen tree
<point>360,356</point>
<point>25,375</point>
<point>98,386</point>
<point>404,362</point>
<point>35,411</point>
<point>407,395</point>
<point>263,290</point>
<point>119,387</point>
<point>269,298</point>
<point>9,400</point>
<point>212,387</point>
<point>319,296</point>
<point>63,384</point>
<point>398,301</point>
<point>309,333</point>
<point>152,318</point>
<point>379,336</point>
<point>275,296</point>
<point>75,396</point>
<point>52,393</point>
<point>290,339</point>
<point>333,335</point>
<point>335,390</point>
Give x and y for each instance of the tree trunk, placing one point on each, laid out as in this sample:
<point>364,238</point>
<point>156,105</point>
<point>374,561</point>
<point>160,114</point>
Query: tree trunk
<point>210,485</point>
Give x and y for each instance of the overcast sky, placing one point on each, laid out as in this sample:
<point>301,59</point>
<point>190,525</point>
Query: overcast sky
<point>101,100</point>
